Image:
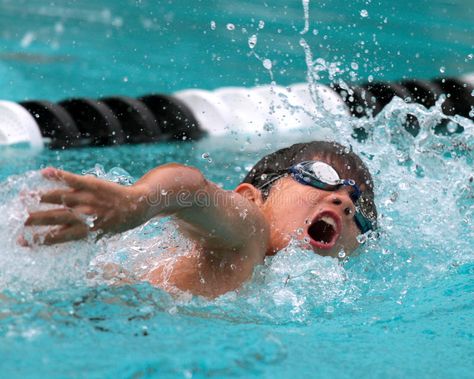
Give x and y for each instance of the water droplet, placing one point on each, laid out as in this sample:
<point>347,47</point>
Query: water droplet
<point>233,266</point>
<point>442,69</point>
<point>213,25</point>
<point>269,127</point>
<point>267,63</point>
<point>452,127</point>
<point>361,238</point>
<point>307,221</point>
<point>207,157</point>
<point>244,214</point>
<point>341,254</point>
<point>230,26</point>
<point>59,28</point>
<point>404,186</point>
<point>470,57</point>
<point>364,13</point>
<point>164,192</point>
<point>252,41</point>
<point>89,220</point>
<point>299,231</point>
<point>329,309</point>
<point>306,240</point>
<point>354,66</point>
<point>261,24</point>
<point>471,113</point>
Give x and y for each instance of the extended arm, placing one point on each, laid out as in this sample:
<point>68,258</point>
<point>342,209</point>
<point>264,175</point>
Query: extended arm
<point>217,219</point>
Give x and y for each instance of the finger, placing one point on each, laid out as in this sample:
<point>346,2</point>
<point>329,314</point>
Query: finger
<point>55,196</point>
<point>21,240</point>
<point>53,217</point>
<point>65,234</point>
<point>72,180</point>
<point>67,197</point>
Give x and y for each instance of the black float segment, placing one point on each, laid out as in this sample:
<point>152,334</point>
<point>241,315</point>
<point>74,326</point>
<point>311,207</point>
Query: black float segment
<point>360,101</point>
<point>55,123</point>
<point>422,92</point>
<point>461,100</point>
<point>114,121</point>
<point>175,119</point>
<point>370,98</point>
<point>384,92</point>
<point>95,120</point>
<point>137,121</point>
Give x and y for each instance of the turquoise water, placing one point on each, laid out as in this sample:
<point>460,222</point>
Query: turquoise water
<point>402,308</point>
<point>135,47</point>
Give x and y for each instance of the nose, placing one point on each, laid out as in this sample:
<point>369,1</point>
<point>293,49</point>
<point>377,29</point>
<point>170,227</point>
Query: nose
<point>342,199</point>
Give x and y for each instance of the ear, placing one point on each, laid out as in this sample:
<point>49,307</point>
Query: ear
<point>250,193</point>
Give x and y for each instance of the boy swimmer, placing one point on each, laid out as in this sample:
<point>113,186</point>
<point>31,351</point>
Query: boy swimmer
<point>316,192</point>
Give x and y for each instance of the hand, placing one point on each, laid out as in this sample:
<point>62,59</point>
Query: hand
<point>110,207</point>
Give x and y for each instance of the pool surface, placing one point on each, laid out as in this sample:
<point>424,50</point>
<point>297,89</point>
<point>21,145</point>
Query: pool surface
<point>403,307</point>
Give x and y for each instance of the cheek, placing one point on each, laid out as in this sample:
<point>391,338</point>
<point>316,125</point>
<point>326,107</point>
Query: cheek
<point>350,237</point>
<point>290,217</point>
<point>310,199</point>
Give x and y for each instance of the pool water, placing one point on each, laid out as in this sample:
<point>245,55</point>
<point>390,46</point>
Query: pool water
<point>403,307</point>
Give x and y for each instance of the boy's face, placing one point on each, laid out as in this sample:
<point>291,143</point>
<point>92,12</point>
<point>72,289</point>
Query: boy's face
<point>322,220</point>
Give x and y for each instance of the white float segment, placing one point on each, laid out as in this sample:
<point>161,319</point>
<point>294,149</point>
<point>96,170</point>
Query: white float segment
<point>260,108</point>
<point>468,78</point>
<point>245,107</point>
<point>17,126</point>
<point>211,112</point>
<point>278,107</point>
<point>331,101</point>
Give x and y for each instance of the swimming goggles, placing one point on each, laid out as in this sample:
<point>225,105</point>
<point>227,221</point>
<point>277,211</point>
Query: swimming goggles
<point>320,175</point>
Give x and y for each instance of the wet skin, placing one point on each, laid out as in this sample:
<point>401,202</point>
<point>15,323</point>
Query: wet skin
<point>291,208</point>
<point>231,235</point>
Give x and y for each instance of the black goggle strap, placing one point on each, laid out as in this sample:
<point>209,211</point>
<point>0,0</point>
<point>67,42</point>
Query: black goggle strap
<point>355,195</point>
<point>270,181</point>
<point>363,222</point>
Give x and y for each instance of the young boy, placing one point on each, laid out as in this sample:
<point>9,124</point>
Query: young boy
<point>315,192</point>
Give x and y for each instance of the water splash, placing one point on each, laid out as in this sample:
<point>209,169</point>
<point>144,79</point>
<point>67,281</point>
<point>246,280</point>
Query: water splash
<point>26,269</point>
<point>306,16</point>
<point>424,191</point>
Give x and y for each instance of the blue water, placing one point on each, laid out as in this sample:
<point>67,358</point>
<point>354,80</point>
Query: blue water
<point>134,47</point>
<point>402,308</point>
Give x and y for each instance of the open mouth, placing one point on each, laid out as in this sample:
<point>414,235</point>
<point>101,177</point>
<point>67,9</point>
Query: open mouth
<point>324,230</point>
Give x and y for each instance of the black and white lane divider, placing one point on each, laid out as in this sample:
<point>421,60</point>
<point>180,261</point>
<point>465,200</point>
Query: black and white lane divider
<point>190,114</point>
